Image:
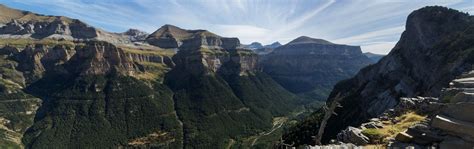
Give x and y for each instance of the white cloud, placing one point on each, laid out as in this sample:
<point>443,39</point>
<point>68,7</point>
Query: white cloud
<point>372,36</point>
<point>379,47</point>
<point>246,33</point>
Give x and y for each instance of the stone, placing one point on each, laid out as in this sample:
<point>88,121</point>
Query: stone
<point>401,145</point>
<point>422,134</point>
<point>374,125</point>
<point>353,135</point>
<point>464,82</point>
<point>454,127</point>
<point>460,111</point>
<point>374,120</point>
<point>455,143</point>
<point>462,97</point>
<point>403,137</point>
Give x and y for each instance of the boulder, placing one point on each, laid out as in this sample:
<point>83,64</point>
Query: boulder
<point>403,137</point>
<point>374,125</point>
<point>353,135</point>
<point>455,143</point>
<point>461,111</point>
<point>422,134</point>
<point>454,127</point>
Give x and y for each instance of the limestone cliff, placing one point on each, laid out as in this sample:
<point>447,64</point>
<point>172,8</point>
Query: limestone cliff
<point>312,66</point>
<point>221,81</point>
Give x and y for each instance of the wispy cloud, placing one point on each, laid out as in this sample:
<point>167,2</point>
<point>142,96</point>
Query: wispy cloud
<point>374,24</point>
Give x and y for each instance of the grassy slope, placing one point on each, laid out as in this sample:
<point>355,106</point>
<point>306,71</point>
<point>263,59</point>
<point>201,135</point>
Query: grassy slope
<point>391,129</point>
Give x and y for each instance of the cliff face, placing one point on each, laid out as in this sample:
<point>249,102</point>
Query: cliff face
<point>312,66</point>
<point>213,76</point>
<point>435,47</point>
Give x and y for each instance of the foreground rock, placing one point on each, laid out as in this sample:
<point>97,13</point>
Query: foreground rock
<point>353,135</point>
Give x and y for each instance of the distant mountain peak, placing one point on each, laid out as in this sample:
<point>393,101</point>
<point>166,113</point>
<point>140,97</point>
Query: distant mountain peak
<point>256,43</point>
<point>306,39</point>
<point>133,31</point>
<point>276,43</point>
<point>135,34</point>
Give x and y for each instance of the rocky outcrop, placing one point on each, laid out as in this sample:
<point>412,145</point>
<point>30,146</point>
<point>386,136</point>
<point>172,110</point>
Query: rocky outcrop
<point>38,26</point>
<point>455,117</point>
<point>432,51</point>
<point>208,54</point>
<point>169,36</point>
<point>136,35</point>
<point>312,66</point>
<point>353,135</point>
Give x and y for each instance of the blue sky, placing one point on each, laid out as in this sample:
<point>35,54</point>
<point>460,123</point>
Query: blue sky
<point>375,25</point>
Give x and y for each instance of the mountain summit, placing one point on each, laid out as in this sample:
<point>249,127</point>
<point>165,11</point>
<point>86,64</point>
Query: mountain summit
<point>309,40</point>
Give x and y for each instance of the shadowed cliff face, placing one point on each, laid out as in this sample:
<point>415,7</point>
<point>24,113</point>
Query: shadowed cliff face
<point>435,47</point>
<point>313,66</point>
<point>220,93</point>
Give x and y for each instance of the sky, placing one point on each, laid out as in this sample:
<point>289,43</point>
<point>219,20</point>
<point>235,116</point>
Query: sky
<point>375,25</point>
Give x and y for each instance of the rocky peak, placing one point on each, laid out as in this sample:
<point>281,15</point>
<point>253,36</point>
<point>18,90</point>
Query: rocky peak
<point>136,35</point>
<point>273,45</point>
<point>254,45</point>
<point>210,41</point>
<point>99,58</point>
<point>430,24</point>
<point>26,24</point>
<point>430,53</point>
<point>208,53</point>
<point>309,40</point>
<point>168,36</point>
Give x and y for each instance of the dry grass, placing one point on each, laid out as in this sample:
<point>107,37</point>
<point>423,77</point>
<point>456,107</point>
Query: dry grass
<point>153,71</point>
<point>157,51</point>
<point>22,42</point>
<point>390,129</point>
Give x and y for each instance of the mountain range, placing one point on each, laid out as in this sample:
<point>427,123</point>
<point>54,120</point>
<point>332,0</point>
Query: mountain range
<point>174,88</point>
<point>66,84</point>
